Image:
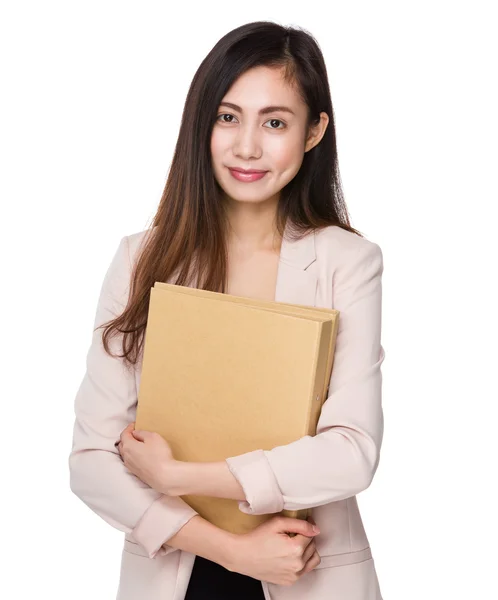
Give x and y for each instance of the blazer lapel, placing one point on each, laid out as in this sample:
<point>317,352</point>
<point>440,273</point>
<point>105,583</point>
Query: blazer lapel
<point>296,284</point>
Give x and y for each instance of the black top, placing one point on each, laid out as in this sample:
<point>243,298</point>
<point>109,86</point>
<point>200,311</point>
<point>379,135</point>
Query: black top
<point>211,581</point>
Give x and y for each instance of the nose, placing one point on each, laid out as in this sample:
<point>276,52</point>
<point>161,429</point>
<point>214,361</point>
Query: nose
<point>246,144</point>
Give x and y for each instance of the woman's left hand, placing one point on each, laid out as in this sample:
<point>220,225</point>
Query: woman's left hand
<point>148,456</point>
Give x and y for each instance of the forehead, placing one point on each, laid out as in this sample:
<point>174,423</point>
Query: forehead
<point>264,86</point>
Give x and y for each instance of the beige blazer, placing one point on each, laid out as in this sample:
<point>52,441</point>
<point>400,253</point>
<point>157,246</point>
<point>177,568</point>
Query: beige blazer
<point>332,268</point>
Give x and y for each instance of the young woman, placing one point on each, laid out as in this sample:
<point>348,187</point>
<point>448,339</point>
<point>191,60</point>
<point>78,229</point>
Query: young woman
<point>252,207</point>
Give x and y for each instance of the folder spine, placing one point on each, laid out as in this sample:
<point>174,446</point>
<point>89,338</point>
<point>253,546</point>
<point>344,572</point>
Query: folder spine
<point>323,371</point>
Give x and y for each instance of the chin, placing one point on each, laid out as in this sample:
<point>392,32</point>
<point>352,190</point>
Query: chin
<point>246,198</point>
<point>251,199</point>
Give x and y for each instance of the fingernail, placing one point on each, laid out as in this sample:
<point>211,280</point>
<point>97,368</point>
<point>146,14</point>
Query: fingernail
<point>315,529</point>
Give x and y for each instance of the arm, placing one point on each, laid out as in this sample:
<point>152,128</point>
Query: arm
<point>104,405</point>
<point>202,479</point>
<point>341,459</point>
<point>202,538</point>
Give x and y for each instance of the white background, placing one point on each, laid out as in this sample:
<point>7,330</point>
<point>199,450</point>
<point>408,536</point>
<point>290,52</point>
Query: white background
<point>92,94</point>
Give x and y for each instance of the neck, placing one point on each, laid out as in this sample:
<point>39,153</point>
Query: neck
<point>251,226</point>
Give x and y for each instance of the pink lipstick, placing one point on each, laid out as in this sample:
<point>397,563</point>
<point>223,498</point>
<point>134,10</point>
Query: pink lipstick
<point>249,175</point>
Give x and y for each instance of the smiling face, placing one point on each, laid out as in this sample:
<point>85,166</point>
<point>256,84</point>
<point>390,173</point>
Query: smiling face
<point>253,130</point>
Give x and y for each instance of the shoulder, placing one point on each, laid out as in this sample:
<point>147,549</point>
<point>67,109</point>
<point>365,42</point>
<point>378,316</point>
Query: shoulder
<point>340,247</point>
<point>133,243</point>
<point>353,264</point>
<point>116,283</point>
<point>135,240</point>
<point>336,239</point>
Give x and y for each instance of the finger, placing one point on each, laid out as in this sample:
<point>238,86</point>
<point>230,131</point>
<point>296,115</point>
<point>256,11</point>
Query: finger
<point>139,435</point>
<point>127,432</point>
<point>302,541</point>
<point>294,526</point>
<point>308,552</point>
<point>312,563</point>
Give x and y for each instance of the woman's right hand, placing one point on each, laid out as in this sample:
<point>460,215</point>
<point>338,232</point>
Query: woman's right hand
<point>267,553</point>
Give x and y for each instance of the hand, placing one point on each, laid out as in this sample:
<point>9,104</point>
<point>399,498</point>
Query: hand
<point>148,456</point>
<point>267,553</point>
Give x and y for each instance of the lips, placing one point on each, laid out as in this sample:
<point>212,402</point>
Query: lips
<point>246,171</point>
<point>247,176</point>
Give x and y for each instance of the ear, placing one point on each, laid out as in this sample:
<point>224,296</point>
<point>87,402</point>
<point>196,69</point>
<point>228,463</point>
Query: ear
<point>316,131</point>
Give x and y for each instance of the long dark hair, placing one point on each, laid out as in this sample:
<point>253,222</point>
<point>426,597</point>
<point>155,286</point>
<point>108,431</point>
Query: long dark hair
<point>188,231</point>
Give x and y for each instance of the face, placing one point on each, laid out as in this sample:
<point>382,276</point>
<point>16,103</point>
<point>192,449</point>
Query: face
<point>248,135</point>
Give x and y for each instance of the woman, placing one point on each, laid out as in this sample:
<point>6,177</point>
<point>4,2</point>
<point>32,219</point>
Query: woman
<point>252,207</point>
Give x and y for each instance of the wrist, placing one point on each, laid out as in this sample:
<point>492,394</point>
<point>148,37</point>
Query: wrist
<point>173,478</point>
<point>230,551</point>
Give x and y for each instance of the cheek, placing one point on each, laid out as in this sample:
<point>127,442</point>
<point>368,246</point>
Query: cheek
<point>220,143</point>
<point>218,146</point>
<point>287,155</point>
<point>215,156</point>
<point>214,147</point>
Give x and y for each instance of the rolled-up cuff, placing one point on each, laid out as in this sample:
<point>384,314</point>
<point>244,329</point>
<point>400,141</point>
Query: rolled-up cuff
<point>161,521</point>
<point>254,473</point>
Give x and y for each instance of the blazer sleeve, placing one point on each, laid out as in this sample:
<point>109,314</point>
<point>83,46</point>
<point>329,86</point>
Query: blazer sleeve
<point>105,404</point>
<point>341,459</point>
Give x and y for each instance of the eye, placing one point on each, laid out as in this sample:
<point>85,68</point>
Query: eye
<point>278,121</point>
<point>225,115</point>
<point>221,119</point>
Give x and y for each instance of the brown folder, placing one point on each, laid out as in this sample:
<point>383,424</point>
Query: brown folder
<point>223,375</point>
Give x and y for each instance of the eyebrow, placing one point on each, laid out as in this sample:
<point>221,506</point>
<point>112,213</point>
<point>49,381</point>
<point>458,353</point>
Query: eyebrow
<point>263,111</point>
